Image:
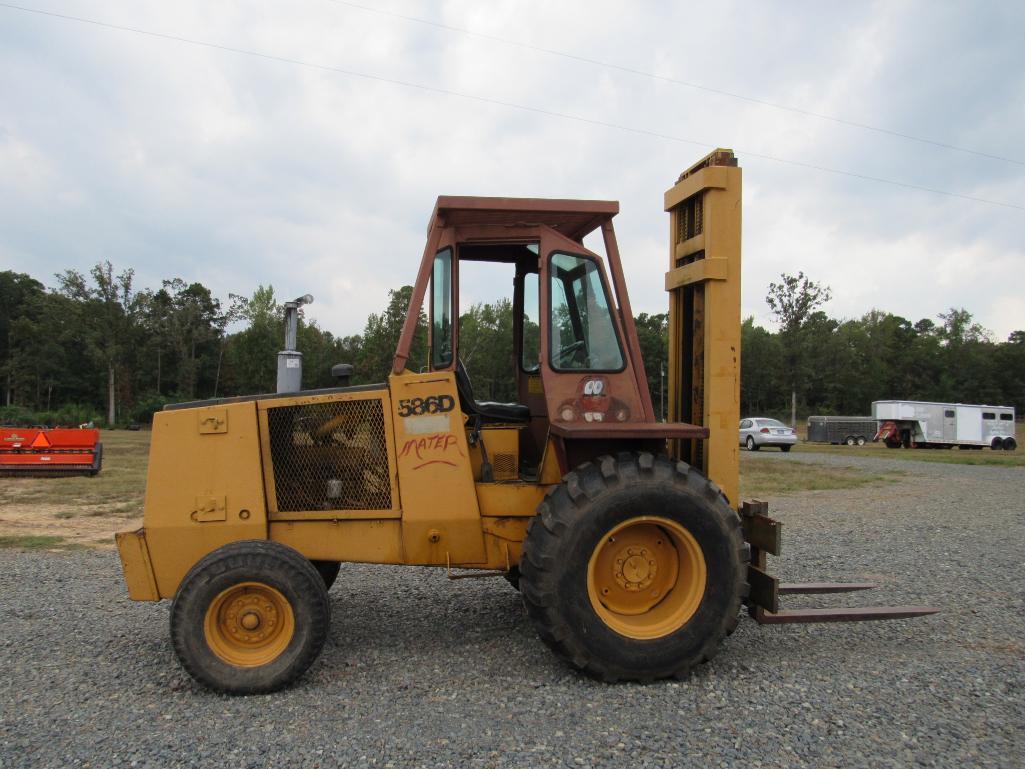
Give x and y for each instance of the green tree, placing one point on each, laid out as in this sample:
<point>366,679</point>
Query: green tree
<point>190,320</point>
<point>381,338</point>
<point>251,354</point>
<point>761,370</point>
<point>109,314</point>
<point>653,338</point>
<point>486,349</point>
<point>792,302</point>
<point>17,292</point>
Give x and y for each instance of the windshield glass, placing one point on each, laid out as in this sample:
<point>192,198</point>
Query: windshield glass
<point>583,336</point>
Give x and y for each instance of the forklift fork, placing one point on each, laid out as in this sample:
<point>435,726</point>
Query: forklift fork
<point>764,535</point>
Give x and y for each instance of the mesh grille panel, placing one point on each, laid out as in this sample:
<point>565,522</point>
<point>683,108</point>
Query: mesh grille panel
<point>504,466</point>
<point>330,456</point>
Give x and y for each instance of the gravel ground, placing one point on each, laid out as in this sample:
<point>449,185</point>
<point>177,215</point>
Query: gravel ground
<point>419,671</point>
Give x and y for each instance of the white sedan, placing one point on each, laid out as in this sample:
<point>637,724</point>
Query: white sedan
<point>756,432</point>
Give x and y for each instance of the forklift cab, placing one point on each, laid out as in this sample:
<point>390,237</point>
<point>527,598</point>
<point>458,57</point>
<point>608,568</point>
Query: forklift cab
<point>579,377</point>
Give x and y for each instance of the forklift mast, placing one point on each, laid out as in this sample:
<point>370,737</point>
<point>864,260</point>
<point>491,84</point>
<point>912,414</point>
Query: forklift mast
<point>703,282</point>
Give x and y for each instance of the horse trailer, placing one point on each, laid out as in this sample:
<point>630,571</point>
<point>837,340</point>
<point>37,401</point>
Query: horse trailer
<point>920,424</point>
<point>852,431</point>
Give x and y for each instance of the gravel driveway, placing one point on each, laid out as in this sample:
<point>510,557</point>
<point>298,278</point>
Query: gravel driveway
<point>420,671</point>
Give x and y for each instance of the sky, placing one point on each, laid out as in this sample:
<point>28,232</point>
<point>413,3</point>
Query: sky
<point>312,162</point>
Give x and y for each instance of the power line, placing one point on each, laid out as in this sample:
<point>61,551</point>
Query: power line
<point>674,81</point>
<point>498,102</point>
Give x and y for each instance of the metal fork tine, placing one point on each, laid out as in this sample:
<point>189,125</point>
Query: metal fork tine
<point>808,588</point>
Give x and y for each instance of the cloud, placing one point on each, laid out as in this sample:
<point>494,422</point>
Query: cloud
<point>237,171</point>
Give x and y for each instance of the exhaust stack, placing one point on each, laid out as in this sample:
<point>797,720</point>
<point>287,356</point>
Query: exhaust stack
<point>290,360</point>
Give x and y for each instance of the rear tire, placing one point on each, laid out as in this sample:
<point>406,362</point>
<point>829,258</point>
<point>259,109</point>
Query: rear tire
<point>997,444</point>
<point>751,445</point>
<point>634,568</point>
<point>1010,444</point>
<point>250,617</point>
<point>328,571</point>
<point>850,440</point>
<point>861,440</point>
<point>785,449</point>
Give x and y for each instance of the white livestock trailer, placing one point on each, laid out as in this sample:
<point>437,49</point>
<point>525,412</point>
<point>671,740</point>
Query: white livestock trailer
<point>922,424</point>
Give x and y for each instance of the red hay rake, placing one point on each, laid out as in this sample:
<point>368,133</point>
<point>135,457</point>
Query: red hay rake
<point>36,451</point>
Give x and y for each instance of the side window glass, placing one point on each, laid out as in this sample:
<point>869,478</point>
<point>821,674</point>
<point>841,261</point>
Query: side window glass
<point>988,415</point>
<point>583,335</point>
<point>531,331</point>
<point>949,414</point>
<point>1006,417</point>
<point>441,310</point>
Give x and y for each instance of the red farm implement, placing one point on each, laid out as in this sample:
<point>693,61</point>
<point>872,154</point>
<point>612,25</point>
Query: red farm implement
<point>35,451</point>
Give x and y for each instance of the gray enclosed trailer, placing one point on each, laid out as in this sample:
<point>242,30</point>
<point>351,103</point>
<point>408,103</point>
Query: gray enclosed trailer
<point>852,431</point>
<point>923,424</point>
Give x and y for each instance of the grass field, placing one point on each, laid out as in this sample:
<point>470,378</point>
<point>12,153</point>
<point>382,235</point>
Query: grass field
<point>764,480</point>
<point>946,456</point>
<point>64,513</point>
<point>55,513</point>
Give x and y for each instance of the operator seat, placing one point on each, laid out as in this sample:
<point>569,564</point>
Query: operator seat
<point>488,411</point>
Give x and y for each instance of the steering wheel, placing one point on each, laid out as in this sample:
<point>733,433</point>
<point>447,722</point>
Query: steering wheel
<point>567,352</point>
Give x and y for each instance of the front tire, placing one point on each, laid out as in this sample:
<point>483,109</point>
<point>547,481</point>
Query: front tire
<point>250,618</point>
<point>634,568</point>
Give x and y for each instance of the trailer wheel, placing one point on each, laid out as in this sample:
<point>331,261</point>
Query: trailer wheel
<point>1010,444</point>
<point>634,568</point>
<point>997,444</point>
<point>328,571</point>
<point>861,440</point>
<point>751,445</point>
<point>250,617</point>
<point>850,440</point>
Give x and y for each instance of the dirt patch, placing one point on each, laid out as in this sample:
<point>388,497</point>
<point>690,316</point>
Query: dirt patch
<point>92,530</point>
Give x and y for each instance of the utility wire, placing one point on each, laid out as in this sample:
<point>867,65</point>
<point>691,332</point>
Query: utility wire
<point>674,81</point>
<point>497,102</point>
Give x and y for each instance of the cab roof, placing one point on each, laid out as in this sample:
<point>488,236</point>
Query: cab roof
<point>573,218</point>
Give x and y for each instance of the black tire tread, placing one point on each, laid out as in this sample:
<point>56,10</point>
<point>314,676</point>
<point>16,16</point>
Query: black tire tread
<point>250,555</point>
<point>563,507</point>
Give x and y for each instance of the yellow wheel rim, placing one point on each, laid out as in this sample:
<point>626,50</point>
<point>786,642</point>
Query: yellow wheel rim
<point>646,577</point>
<point>249,624</point>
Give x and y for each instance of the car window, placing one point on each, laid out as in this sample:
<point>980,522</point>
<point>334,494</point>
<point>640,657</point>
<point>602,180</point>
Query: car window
<point>745,423</point>
<point>771,423</point>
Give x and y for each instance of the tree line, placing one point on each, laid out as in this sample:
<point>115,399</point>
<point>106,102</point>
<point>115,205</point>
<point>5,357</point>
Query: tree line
<point>97,347</point>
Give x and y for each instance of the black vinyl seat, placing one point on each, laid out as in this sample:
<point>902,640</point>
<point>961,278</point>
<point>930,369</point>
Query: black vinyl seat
<point>488,411</point>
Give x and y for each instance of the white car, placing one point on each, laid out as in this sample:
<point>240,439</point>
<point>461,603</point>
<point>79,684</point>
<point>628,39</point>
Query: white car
<point>756,432</point>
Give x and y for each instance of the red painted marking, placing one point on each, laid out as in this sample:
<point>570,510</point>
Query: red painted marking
<point>436,462</point>
<point>442,442</point>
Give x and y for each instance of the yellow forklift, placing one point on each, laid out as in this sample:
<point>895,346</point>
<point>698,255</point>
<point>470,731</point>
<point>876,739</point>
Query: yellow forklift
<point>624,534</point>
